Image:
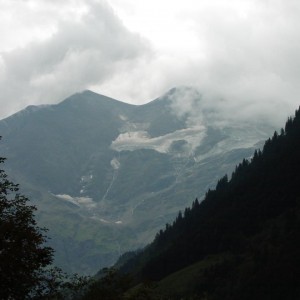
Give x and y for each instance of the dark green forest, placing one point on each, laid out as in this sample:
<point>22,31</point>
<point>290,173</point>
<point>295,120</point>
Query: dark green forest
<point>241,242</point>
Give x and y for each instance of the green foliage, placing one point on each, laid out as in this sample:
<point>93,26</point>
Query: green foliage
<point>112,285</point>
<point>23,254</point>
<point>25,260</point>
<point>58,285</point>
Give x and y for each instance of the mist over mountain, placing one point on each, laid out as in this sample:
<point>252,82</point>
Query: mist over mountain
<point>239,243</point>
<point>106,175</point>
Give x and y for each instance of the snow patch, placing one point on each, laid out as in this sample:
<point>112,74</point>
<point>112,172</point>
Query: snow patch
<point>123,118</point>
<point>86,202</point>
<point>87,178</point>
<point>229,144</point>
<point>136,140</point>
<point>106,221</point>
<point>115,163</point>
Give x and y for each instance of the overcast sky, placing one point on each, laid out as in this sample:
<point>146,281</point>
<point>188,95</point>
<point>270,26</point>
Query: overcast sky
<point>243,55</point>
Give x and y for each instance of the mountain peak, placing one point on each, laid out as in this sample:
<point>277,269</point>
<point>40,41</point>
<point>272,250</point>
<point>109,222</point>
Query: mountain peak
<point>88,98</point>
<point>133,163</point>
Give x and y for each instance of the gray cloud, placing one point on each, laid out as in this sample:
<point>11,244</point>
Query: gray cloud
<point>81,52</point>
<point>247,61</point>
<point>251,62</point>
<point>244,56</point>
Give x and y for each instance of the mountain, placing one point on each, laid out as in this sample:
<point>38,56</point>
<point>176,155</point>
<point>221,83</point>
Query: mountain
<point>106,175</point>
<point>241,242</point>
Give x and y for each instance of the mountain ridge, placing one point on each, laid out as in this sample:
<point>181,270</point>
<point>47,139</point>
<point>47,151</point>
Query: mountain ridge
<point>123,168</point>
<point>241,241</point>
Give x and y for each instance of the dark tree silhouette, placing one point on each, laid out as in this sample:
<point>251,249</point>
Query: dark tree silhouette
<point>23,254</point>
<point>250,222</point>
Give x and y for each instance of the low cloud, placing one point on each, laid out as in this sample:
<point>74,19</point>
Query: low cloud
<point>246,61</point>
<point>251,58</point>
<point>80,53</point>
<point>242,55</point>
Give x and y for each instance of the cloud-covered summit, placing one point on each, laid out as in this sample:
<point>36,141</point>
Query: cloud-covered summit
<point>243,55</point>
<point>81,52</point>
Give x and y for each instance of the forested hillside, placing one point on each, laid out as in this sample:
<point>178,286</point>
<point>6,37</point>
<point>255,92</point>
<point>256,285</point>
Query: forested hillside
<point>241,241</point>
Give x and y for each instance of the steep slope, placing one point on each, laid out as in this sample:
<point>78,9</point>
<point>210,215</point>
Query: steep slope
<point>241,241</point>
<point>106,175</point>
<point>58,140</point>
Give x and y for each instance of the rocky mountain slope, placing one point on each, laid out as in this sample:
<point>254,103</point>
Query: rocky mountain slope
<point>106,175</point>
<point>241,242</point>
